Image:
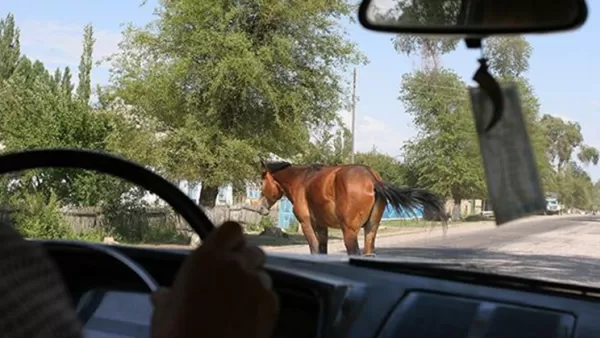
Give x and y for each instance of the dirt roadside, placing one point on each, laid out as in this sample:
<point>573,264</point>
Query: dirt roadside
<point>386,238</point>
<point>397,238</point>
<point>392,237</point>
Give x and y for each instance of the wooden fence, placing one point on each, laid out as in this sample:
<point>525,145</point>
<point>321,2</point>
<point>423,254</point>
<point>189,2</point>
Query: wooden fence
<point>133,223</point>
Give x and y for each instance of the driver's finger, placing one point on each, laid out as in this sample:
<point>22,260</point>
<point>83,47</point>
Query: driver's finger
<point>265,279</point>
<point>229,236</point>
<point>253,256</point>
<point>159,297</point>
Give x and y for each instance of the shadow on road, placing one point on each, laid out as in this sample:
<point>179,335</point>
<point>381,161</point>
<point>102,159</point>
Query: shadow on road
<point>579,269</point>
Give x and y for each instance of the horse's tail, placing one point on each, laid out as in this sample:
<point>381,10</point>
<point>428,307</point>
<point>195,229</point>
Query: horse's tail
<point>409,199</point>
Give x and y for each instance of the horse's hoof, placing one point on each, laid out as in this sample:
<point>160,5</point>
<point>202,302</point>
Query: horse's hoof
<point>369,255</point>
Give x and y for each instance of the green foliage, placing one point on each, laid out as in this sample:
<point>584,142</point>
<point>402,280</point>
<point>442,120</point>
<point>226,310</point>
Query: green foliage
<point>266,222</point>
<point>390,169</point>
<point>508,56</point>
<point>209,85</point>
<point>293,228</point>
<point>227,82</point>
<point>331,146</point>
<point>39,109</point>
<point>445,155</point>
<point>39,217</point>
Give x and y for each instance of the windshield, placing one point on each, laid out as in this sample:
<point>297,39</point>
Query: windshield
<point>203,91</point>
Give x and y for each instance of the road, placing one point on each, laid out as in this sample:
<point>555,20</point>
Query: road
<point>562,248</point>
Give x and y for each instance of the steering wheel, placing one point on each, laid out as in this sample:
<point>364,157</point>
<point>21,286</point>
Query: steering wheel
<point>115,166</point>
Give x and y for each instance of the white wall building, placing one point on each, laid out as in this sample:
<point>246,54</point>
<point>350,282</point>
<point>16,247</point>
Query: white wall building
<point>225,196</point>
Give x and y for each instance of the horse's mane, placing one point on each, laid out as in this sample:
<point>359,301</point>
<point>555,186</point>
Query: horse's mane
<point>277,166</point>
<point>316,167</point>
<point>280,165</point>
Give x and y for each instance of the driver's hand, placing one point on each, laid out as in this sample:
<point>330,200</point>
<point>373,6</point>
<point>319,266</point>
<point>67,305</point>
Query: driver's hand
<point>220,290</point>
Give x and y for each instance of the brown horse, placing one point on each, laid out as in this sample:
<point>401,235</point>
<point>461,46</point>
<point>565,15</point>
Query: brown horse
<point>346,197</point>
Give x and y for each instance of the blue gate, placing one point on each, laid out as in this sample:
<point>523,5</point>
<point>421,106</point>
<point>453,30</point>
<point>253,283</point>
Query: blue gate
<point>286,214</point>
<point>391,213</point>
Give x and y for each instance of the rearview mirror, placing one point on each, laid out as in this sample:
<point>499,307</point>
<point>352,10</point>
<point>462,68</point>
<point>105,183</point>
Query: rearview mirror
<point>472,18</point>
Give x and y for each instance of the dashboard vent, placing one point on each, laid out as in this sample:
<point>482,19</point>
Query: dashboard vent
<point>432,315</point>
<point>300,314</point>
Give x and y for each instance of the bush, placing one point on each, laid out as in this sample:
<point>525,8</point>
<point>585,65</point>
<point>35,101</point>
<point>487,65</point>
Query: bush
<point>36,216</point>
<point>294,227</point>
<point>265,222</point>
<point>130,222</point>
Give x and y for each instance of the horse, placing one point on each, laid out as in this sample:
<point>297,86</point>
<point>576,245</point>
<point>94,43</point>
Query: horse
<point>347,197</point>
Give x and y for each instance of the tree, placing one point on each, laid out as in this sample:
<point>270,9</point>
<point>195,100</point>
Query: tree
<point>508,56</point>
<point>563,138</point>
<point>588,155</point>
<point>595,203</point>
<point>84,87</point>
<point>10,47</point>
<point>508,62</point>
<point>38,111</point>
<point>331,146</point>
<point>228,81</point>
<point>554,140</point>
<point>445,154</point>
<point>576,187</point>
<point>390,169</point>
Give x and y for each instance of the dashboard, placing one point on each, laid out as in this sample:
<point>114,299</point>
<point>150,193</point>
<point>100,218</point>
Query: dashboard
<point>110,313</point>
<point>327,296</point>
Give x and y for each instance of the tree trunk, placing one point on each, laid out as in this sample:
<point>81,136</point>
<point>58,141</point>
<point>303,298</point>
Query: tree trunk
<point>456,209</point>
<point>208,196</point>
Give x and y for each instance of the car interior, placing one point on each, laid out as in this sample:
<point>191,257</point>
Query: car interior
<point>320,295</point>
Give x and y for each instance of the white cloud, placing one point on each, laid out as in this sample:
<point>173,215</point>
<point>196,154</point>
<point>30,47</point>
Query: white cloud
<point>365,124</point>
<point>61,43</point>
<point>371,125</point>
<point>373,132</point>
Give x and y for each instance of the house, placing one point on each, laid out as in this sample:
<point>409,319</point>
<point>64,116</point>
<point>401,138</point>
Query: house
<point>225,195</point>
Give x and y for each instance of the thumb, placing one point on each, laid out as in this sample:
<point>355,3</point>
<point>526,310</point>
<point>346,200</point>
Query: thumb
<point>228,237</point>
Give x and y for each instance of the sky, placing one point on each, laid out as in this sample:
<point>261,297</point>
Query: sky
<point>563,68</point>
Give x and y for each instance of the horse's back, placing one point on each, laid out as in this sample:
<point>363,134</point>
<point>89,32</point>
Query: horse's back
<point>357,175</point>
<point>340,183</point>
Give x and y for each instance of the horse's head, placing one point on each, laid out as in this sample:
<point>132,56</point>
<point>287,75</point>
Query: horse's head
<point>271,190</point>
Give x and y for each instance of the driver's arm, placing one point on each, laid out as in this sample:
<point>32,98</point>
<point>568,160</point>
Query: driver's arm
<point>34,301</point>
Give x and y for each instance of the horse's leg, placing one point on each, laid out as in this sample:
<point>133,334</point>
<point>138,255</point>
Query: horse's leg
<point>309,234</point>
<point>350,235</point>
<point>303,216</point>
<point>322,237</point>
<point>371,227</point>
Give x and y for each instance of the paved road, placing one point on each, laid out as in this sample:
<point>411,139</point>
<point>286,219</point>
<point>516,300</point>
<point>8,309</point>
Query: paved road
<point>563,248</point>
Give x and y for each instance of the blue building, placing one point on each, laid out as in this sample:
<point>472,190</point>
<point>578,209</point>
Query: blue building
<point>286,214</point>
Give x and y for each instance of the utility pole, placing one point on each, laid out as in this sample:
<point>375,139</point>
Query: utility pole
<point>353,114</point>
